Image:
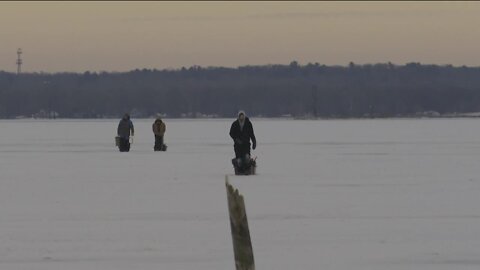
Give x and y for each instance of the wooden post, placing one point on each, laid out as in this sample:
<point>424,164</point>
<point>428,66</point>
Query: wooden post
<point>242,245</point>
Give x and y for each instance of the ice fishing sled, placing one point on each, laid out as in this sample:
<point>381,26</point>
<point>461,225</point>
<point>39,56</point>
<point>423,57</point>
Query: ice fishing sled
<point>161,148</point>
<point>245,166</point>
<point>123,146</point>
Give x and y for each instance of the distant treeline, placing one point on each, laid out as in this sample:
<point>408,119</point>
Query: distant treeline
<point>379,90</point>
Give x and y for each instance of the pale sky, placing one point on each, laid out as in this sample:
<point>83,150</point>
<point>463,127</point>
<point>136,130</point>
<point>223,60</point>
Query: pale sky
<point>121,36</point>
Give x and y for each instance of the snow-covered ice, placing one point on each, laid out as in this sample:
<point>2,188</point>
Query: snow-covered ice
<point>336,194</point>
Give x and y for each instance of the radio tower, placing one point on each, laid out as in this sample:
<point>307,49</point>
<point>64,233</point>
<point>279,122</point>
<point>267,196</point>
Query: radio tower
<point>19,61</point>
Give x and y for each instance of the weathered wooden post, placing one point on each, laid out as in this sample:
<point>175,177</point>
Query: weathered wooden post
<point>242,245</point>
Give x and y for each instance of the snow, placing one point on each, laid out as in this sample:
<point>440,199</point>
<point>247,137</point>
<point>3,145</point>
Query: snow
<point>336,194</point>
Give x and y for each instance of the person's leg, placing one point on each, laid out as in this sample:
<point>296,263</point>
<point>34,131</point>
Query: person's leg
<point>248,160</point>
<point>247,150</point>
<point>238,151</point>
<point>237,161</point>
<point>156,147</point>
<point>160,142</point>
<point>122,145</point>
<point>241,155</point>
<point>127,145</point>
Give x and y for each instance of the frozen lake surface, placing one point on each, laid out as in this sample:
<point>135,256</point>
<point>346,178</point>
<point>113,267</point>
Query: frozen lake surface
<point>337,195</point>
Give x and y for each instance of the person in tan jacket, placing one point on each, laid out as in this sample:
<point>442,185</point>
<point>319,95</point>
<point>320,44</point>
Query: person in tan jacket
<point>159,129</point>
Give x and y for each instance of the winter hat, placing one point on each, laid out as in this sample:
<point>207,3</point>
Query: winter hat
<point>240,113</point>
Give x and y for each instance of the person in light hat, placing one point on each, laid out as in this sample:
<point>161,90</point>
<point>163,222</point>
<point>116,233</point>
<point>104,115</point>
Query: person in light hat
<point>242,133</point>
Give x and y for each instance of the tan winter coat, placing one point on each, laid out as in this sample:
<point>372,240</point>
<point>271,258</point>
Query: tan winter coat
<point>159,128</point>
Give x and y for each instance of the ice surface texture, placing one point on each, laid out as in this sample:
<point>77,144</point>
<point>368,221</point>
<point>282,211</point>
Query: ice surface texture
<point>336,195</point>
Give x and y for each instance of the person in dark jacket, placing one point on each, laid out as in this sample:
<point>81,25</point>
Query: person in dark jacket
<point>159,129</point>
<point>241,132</point>
<point>124,130</point>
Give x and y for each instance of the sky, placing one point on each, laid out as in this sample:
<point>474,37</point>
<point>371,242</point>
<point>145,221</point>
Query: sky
<point>121,36</point>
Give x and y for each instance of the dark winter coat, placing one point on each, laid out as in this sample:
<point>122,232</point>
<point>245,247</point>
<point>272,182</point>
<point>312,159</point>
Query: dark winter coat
<point>159,128</point>
<point>124,128</point>
<point>242,137</point>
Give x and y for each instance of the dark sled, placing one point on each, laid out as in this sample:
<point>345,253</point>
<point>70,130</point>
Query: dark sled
<point>162,148</point>
<point>122,147</point>
<point>117,141</point>
<point>243,167</point>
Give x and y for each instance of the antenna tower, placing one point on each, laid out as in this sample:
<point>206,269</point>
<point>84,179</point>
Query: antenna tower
<point>19,61</point>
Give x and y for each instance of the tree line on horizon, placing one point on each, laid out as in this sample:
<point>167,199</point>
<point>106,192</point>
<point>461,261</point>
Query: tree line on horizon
<point>312,90</point>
